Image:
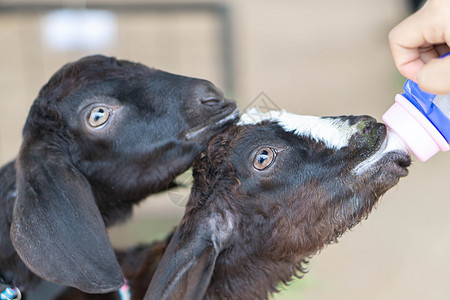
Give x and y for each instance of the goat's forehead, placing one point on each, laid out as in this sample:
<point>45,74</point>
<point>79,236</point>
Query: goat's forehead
<point>334,132</point>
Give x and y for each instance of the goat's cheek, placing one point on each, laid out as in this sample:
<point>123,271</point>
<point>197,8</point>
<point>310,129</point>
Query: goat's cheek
<point>261,186</point>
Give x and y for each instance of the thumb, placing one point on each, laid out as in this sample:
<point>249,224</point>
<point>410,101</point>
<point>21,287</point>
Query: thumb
<point>434,76</point>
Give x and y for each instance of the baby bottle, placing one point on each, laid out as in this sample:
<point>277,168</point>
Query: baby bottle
<point>421,120</point>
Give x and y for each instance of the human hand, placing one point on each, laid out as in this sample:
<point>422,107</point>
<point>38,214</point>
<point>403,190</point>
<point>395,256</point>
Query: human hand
<point>418,41</point>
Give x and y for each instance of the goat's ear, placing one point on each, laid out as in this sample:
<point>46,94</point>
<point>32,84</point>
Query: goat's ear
<point>187,266</point>
<point>57,228</point>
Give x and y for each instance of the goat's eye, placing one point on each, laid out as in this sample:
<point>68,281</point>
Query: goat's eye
<point>263,158</point>
<point>99,116</point>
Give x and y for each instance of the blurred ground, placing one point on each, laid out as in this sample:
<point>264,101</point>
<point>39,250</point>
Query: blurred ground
<point>317,57</point>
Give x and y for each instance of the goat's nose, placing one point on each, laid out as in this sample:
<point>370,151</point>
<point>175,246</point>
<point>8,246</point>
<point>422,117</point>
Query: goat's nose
<point>207,95</point>
<point>365,124</point>
<point>368,130</point>
<point>212,101</point>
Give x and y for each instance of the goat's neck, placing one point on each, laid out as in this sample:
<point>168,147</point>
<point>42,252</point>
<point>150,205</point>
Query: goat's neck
<point>240,274</point>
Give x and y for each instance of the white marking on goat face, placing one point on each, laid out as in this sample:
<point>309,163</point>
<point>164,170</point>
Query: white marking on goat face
<point>221,225</point>
<point>333,132</point>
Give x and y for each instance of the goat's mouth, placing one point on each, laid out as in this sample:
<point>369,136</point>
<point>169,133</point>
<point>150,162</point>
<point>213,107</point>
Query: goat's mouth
<point>391,156</point>
<point>215,126</point>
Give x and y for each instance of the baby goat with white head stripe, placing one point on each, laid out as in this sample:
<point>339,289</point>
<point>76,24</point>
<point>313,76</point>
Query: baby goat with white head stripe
<point>267,195</point>
<point>277,191</point>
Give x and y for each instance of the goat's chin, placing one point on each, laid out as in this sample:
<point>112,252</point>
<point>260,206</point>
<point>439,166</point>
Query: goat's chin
<point>395,163</point>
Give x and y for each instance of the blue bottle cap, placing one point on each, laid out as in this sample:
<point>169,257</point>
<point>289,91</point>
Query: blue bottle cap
<point>423,101</point>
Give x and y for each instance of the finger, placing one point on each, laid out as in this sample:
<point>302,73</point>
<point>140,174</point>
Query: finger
<point>405,40</point>
<point>428,53</point>
<point>412,40</point>
<point>410,60</point>
<point>434,77</point>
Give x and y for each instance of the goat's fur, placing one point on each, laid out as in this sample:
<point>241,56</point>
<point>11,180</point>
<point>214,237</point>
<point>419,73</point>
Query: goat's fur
<point>101,136</point>
<point>246,230</point>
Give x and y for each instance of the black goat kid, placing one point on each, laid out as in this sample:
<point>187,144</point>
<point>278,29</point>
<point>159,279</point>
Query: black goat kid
<point>101,136</point>
<point>266,197</point>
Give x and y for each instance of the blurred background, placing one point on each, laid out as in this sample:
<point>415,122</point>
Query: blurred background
<point>318,57</point>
